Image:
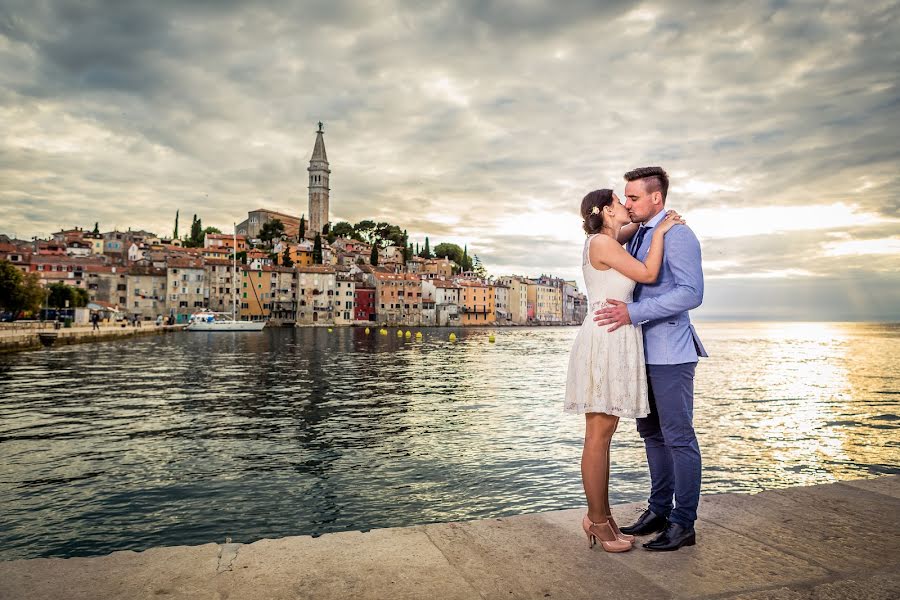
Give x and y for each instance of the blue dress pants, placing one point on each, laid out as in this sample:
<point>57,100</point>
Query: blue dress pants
<point>673,453</point>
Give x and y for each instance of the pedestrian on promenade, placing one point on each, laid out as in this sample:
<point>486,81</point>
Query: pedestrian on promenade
<point>606,378</point>
<point>95,321</point>
<point>671,348</point>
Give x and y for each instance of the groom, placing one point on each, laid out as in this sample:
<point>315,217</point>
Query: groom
<point>671,349</point>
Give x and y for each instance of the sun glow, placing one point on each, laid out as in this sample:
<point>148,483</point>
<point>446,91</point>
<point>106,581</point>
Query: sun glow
<point>712,223</point>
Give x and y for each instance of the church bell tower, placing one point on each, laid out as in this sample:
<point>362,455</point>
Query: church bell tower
<point>318,186</point>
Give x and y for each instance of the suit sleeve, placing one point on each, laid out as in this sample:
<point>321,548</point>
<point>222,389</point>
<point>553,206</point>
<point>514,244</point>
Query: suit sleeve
<point>682,255</point>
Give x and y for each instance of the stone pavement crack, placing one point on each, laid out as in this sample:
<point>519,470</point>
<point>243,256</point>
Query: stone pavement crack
<point>227,554</point>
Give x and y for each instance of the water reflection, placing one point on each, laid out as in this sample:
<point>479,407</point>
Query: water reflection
<point>189,438</point>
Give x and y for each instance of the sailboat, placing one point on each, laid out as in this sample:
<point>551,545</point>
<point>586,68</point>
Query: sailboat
<point>208,320</point>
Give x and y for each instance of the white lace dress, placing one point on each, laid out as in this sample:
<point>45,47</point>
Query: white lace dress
<point>606,369</point>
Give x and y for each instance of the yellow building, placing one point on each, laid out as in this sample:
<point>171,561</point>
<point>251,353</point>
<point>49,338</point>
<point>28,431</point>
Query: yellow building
<point>268,293</point>
<point>544,302</point>
<point>518,298</point>
<point>478,303</point>
<point>302,253</point>
<point>441,267</point>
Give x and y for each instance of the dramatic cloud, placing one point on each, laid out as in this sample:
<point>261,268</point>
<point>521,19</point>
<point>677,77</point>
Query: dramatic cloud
<point>478,123</point>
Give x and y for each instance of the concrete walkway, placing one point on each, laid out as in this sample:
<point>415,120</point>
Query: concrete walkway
<point>12,339</point>
<point>822,542</point>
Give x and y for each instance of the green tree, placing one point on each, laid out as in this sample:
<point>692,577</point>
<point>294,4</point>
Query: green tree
<point>212,231</point>
<point>392,234</point>
<point>366,231</point>
<point>342,229</point>
<point>426,251</point>
<point>195,238</point>
<point>242,257</point>
<point>286,257</point>
<point>175,235</point>
<point>61,293</point>
<point>466,263</point>
<point>448,250</point>
<point>302,232</point>
<point>274,258</point>
<point>373,258</point>
<point>96,227</point>
<point>478,267</point>
<point>317,250</point>
<point>271,230</point>
<point>18,291</point>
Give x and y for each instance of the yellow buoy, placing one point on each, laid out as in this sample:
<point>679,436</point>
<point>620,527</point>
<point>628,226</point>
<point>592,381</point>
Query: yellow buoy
<point>452,337</point>
<point>418,335</point>
<point>399,333</point>
<point>408,334</point>
<point>330,330</point>
<point>383,332</point>
<point>491,338</point>
<point>367,331</point>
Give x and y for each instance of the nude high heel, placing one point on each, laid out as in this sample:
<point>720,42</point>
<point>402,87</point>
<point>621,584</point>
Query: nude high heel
<point>619,534</point>
<point>591,529</point>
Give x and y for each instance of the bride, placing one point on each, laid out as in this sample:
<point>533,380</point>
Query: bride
<point>606,378</point>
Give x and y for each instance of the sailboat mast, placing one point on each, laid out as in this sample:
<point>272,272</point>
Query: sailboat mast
<point>234,286</point>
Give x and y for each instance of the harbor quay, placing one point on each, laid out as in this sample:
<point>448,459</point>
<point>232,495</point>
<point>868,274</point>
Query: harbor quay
<point>32,338</point>
<point>830,541</point>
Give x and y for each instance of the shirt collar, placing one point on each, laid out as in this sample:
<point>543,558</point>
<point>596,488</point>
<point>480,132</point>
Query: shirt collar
<point>655,220</point>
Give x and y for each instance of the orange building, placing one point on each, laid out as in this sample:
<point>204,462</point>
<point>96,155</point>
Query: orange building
<point>302,253</point>
<point>221,240</point>
<point>398,298</point>
<point>478,304</point>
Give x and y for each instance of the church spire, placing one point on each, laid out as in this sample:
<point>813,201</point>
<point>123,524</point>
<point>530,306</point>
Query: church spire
<point>319,148</point>
<point>319,189</point>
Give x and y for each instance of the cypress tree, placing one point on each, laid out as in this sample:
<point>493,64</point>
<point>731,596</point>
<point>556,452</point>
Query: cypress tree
<point>427,251</point>
<point>302,227</point>
<point>175,235</point>
<point>317,250</point>
<point>96,227</point>
<point>373,259</point>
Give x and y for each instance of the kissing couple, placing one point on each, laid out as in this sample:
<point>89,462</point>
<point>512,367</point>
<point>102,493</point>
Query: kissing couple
<point>636,358</point>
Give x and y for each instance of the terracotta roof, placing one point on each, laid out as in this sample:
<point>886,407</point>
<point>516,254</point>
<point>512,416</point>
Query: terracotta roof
<point>315,269</point>
<point>397,276</point>
<point>184,263</point>
<point>224,236</point>
<point>219,262</point>
<point>275,212</point>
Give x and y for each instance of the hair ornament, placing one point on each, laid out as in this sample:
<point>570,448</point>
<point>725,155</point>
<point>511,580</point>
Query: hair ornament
<point>595,210</point>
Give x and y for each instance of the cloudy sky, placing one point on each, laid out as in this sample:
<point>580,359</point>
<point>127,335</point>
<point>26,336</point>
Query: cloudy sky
<point>481,123</point>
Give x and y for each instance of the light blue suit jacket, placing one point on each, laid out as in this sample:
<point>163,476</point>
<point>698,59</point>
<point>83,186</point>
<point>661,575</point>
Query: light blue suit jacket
<point>661,308</point>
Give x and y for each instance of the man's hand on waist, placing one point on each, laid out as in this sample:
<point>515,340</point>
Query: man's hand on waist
<point>615,315</point>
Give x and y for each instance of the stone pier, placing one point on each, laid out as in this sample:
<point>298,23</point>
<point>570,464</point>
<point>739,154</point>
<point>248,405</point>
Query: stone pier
<point>831,541</point>
<point>13,339</point>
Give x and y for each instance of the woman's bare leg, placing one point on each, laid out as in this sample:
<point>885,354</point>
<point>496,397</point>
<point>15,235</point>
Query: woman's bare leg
<point>599,429</point>
<point>609,516</point>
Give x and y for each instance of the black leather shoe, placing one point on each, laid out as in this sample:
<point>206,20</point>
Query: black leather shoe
<point>647,523</point>
<point>672,538</point>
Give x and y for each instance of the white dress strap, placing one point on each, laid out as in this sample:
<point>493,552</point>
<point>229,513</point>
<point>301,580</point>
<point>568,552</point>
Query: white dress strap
<point>586,251</point>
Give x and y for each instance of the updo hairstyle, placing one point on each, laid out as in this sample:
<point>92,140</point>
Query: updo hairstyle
<point>593,223</point>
